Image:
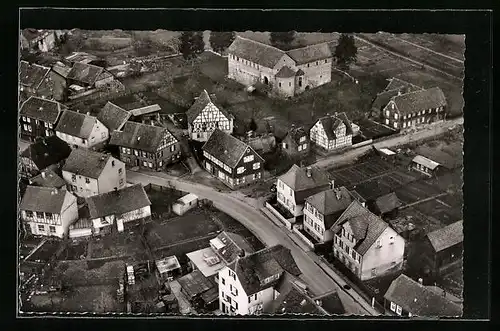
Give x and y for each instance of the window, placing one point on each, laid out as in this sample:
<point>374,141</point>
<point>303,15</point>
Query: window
<point>396,116</point>
<point>25,127</point>
<point>136,153</point>
<point>24,118</point>
<point>172,148</point>
<point>45,124</point>
<point>50,125</point>
<point>289,83</point>
<point>256,165</point>
<point>150,165</point>
<point>249,299</point>
<point>248,158</point>
<point>353,254</point>
<point>308,65</point>
<point>87,180</point>
<point>144,163</point>
<point>398,310</point>
<point>121,181</point>
<point>391,241</point>
<point>387,113</point>
<point>223,281</point>
<point>348,249</point>
<point>317,63</point>
<point>29,128</point>
<point>39,214</point>
<point>236,305</point>
<point>374,272</point>
<point>240,170</point>
<point>52,229</point>
<point>304,146</point>
<point>29,213</point>
<point>28,119</point>
<point>120,170</point>
<point>379,243</point>
<point>279,84</point>
<point>255,296</point>
<point>113,163</point>
<point>41,227</point>
<point>393,306</point>
<point>326,61</point>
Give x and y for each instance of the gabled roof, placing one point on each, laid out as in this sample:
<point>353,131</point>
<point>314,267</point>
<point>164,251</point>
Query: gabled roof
<point>330,202</point>
<point>387,203</point>
<point>295,133</point>
<point>310,53</point>
<point>32,75</point>
<point>296,178</point>
<point>331,303</point>
<point>195,284</point>
<point>61,69</point>
<point>86,163</point>
<point>331,122</point>
<point>145,110</point>
<point>140,136</point>
<point>200,103</point>
<point>419,300</point>
<point>118,202</point>
<point>232,245</point>
<point>41,109</point>
<point>285,72</point>
<point>399,84</point>
<point>256,52</point>
<point>85,73</point>
<point>252,269</point>
<point>43,199</point>
<point>81,57</point>
<point>394,88</point>
<point>447,236</point>
<point>47,151</point>
<point>420,100</point>
<point>113,116</point>
<point>226,148</point>
<point>293,300</point>
<point>48,178</point>
<point>366,226</point>
<point>428,163</point>
<point>76,124</point>
<point>31,34</point>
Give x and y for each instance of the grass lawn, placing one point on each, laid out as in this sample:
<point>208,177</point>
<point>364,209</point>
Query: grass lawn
<point>118,244</point>
<point>83,273</point>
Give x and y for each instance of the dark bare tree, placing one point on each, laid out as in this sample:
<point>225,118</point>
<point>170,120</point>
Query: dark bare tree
<point>282,40</point>
<point>346,51</point>
<point>220,41</point>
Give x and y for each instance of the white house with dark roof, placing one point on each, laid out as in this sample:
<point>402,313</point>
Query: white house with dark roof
<point>424,165</point>
<point>288,73</point>
<point>395,87</point>
<point>118,207</point>
<point>296,142</point>
<point>87,76</point>
<point>90,173</point>
<point>366,244</point>
<point>48,178</point>
<point>205,116</point>
<point>412,109</point>
<point>332,132</point>
<point>48,211</point>
<point>248,285</point>
<point>408,298</point>
<point>81,130</point>
<point>46,153</point>
<point>293,187</point>
<point>113,116</point>
<point>231,160</point>
<point>38,117</point>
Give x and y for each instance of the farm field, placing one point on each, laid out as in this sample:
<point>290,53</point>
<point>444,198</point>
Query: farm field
<point>449,45</point>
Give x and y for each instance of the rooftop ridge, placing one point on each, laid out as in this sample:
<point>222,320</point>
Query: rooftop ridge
<point>414,92</point>
<point>258,42</point>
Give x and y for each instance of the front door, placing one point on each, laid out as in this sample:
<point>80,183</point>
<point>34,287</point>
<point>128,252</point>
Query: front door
<point>266,80</point>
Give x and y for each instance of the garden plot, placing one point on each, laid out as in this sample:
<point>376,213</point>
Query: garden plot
<point>121,245</point>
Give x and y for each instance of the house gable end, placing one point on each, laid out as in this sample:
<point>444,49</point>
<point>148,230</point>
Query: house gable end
<point>283,61</point>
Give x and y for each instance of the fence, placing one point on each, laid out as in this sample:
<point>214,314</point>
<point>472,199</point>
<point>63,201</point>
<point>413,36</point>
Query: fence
<point>363,143</point>
<point>303,237</point>
<point>276,213</point>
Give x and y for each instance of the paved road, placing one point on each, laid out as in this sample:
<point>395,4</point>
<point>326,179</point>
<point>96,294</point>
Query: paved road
<point>433,130</point>
<point>246,211</point>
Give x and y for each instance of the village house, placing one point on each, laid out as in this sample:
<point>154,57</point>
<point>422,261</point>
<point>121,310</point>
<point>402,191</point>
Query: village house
<point>230,160</point>
<point>262,144</point>
<point>146,114</point>
<point>48,178</point>
<point>201,291</point>
<point>412,109</point>
<point>146,146</point>
<point>322,210</point>
<point>205,116</point>
<point>366,244</point>
<point>297,184</point>
<point>296,142</point>
<point>288,73</point>
<point>81,130</point>
<point>39,40</point>
<point>83,76</point>
<point>48,211</point>
<point>443,248</point>
<point>118,207</point>
<point>113,116</point>
<point>85,58</point>
<point>35,80</point>
<point>424,165</point>
<point>38,117</point>
<point>394,87</point>
<point>49,152</point>
<point>90,173</point>
<point>332,132</point>
<point>408,298</point>
<point>247,286</point>
<point>386,206</point>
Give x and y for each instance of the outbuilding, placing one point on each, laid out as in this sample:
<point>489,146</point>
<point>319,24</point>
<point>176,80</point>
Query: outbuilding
<point>185,203</point>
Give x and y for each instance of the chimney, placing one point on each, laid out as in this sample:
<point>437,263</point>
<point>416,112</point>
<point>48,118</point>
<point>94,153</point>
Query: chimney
<point>43,174</point>
<point>332,184</point>
<point>421,281</point>
<point>308,172</point>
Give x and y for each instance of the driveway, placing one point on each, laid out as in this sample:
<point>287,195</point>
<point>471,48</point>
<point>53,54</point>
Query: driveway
<point>247,212</point>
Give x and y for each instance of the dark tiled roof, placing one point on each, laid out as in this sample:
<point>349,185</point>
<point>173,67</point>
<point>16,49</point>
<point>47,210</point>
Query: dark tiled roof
<point>296,178</point>
<point>76,124</point>
<point>86,163</point>
<point>330,124</point>
<point>195,284</point>
<point>31,34</point>
<point>113,116</point>
<point>447,236</point>
<point>331,303</point>
<point>141,136</point>
<point>310,53</point>
<point>343,117</point>
<point>118,202</point>
<point>200,103</point>
<point>225,148</point>
<point>233,244</point>
<point>254,268</point>
<point>61,69</point>
<point>327,203</point>
<point>82,57</point>
<point>392,90</point>
<point>47,151</point>
<point>398,84</point>
<point>32,75</point>
<point>43,199</point>
<point>145,110</point>
<point>420,100</point>
<point>299,73</point>
<point>85,73</point>
<point>48,178</point>
<point>419,300</point>
<point>256,52</point>
<point>387,203</point>
<point>285,72</point>
<point>41,109</point>
<point>367,226</point>
<point>296,133</point>
<point>293,300</point>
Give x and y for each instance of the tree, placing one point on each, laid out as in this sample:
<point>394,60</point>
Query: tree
<point>282,40</point>
<point>220,41</point>
<point>252,126</point>
<point>346,50</point>
<point>191,44</point>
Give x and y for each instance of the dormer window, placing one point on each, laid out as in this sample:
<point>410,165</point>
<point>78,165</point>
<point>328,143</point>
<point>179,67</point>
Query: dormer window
<point>113,163</point>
